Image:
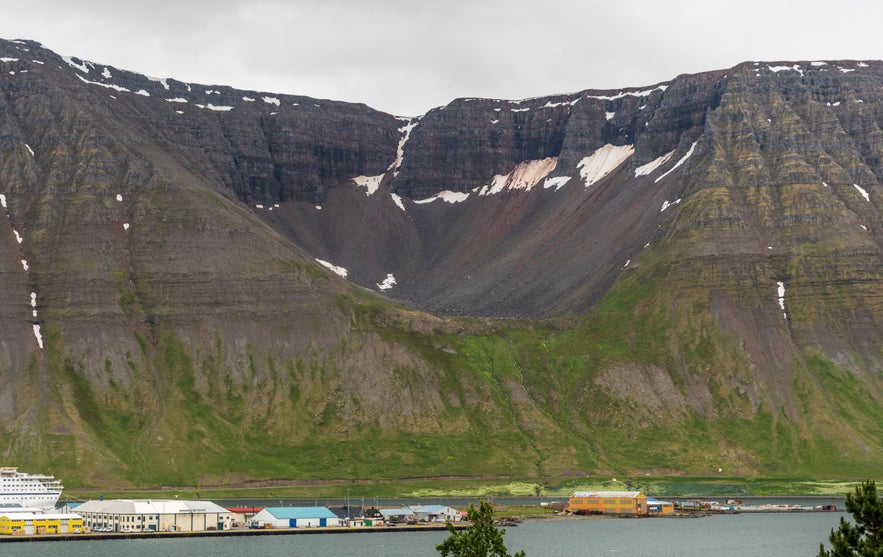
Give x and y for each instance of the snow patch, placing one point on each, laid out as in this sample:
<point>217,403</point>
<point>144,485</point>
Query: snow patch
<point>666,204</point>
<point>643,93</point>
<point>8,59</point>
<point>216,108</point>
<point>18,237</point>
<point>447,196</point>
<point>38,336</point>
<point>271,100</point>
<point>119,197</point>
<point>609,115</point>
<point>33,299</point>
<point>777,69</point>
<point>142,92</point>
<point>70,62</point>
<point>125,226</point>
<point>333,268</point>
<point>818,63</point>
<point>161,81</point>
<point>105,85</point>
<point>177,100</point>
<point>781,291</point>
<point>3,200</point>
<point>398,201</point>
<point>248,99</point>
<point>603,161</point>
<point>679,163</point>
<point>863,192</point>
<point>557,182</point>
<point>650,167</point>
<point>106,73</point>
<point>524,176</point>
<point>24,264</point>
<point>370,183</point>
<point>388,282</point>
<point>31,151</point>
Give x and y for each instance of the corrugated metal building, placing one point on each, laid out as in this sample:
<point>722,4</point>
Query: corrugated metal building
<point>163,515</point>
<point>29,523</point>
<point>608,502</point>
<point>295,517</point>
<point>655,506</point>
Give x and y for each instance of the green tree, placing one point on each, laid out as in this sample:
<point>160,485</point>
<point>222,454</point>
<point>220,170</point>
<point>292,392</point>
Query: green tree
<point>863,537</point>
<point>480,539</point>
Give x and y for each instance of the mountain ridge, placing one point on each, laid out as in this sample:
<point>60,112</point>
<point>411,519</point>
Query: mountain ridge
<point>677,277</point>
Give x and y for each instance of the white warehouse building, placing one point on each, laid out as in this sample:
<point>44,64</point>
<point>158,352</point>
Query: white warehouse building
<point>157,515</point>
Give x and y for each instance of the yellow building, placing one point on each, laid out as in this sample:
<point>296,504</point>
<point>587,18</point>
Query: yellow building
<point>27,523</point>
<point>632,503</point>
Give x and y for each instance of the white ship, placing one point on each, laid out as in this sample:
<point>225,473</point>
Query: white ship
<point>28,490</point>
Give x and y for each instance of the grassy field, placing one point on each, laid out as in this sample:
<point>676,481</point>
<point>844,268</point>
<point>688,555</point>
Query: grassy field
<point>491,488</point>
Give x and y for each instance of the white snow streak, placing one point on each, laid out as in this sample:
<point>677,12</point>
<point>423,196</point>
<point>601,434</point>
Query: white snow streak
<point>18,237</point>
<point>271,100</point>
<point>643,93</point>
<point>370,183</point>
<point>863,192</point>
<point>400,151</point>
<point>24,264</point>
<point>398,201</point>
<point>447,196</point>
<point>650,167</point>
<point>781,291</point>
<point>31,151</point>
<point>248,99</point>
<point>388,282</point>
<point>177,100</point>
<point>603,161</point>
<point>106,85</point>
<point>524,176</point>
<point>38,336</point>
<point>679,163</point>
<point>333,268</point>
<point>666,204</point>
<point>3,200</point>
<point>216,108</point>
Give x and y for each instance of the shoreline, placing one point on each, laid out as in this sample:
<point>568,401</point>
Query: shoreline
<point>92,536</point>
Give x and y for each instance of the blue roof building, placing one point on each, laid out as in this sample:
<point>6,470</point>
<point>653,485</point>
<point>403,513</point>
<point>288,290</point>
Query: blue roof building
<point>295,517</point>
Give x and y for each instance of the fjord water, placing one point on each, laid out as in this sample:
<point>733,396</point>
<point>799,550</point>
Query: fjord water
<point>743,535</point>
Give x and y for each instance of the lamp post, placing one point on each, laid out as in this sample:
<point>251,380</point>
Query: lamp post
<point>347,504</point>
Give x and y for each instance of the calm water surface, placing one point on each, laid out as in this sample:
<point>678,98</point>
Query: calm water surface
<point>744,535</point>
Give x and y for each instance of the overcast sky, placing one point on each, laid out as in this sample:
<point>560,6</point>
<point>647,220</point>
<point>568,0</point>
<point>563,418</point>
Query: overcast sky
<point>407,56</point>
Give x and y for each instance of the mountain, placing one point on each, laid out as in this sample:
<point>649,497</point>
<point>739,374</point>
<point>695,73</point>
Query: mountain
<point>677,278</point>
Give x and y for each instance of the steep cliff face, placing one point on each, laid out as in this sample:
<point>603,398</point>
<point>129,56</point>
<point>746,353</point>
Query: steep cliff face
<point>705,256</point>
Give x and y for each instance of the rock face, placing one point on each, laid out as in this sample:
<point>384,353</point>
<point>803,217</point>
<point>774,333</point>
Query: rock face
<point>710,245</point>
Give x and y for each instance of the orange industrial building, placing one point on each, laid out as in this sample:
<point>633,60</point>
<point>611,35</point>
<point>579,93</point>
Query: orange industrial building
<point>628,503</point>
